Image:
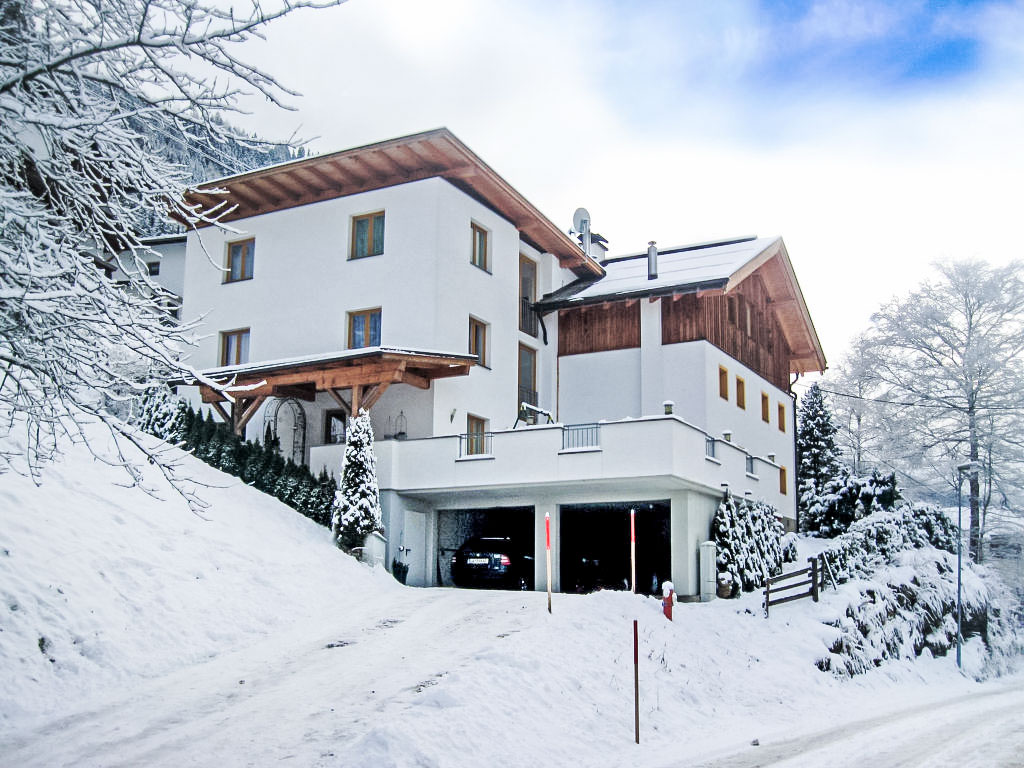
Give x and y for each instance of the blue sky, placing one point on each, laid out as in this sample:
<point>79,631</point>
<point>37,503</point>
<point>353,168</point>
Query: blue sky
<point>874,137</point>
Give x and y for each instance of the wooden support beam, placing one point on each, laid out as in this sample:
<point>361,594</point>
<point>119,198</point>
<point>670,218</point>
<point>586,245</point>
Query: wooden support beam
<point>414,379</point>
<point>341,401</point>
<point>374,393</point>
<point>357,394</point>
<point>305,391</point>
<point>244,411</point>
<point>210,395</point>
<point>220,410</point>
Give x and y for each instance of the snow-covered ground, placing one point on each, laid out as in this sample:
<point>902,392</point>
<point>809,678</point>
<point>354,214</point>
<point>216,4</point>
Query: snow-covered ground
<point>136,632</point>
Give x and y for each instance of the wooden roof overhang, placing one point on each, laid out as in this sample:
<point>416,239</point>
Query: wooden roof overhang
<point>365,374</point>
<point>436,153</point>
<point>787,301</point>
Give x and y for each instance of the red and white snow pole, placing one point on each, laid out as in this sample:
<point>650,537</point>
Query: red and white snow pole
<point>547,536</point>
<point>632,548</point>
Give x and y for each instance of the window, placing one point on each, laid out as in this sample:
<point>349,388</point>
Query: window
<point>234,347</point>
<point>367,235</point>
<point>527,375</point>
<point>723,383</point>
<point>479,257</point>
<point>153,267</point>
<point>741,393</point>
<point>478,340</point>
<point>476,435</point>
<point>782,418</point>
<point>240,261</point>
<point>783,484</point>
<point>334,427</point>
<point>765,408</point>
<point>364,328</point>
<point>527,295</point>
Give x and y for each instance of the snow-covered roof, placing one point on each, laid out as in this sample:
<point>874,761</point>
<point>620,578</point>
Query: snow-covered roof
<point>695,267</point>
<point>323,358</point>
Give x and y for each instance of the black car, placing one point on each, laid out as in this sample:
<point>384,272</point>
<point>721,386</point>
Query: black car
<point>492,561</point>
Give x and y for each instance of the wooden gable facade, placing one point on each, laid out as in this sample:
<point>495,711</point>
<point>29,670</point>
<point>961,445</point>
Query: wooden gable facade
<point>742,323</point>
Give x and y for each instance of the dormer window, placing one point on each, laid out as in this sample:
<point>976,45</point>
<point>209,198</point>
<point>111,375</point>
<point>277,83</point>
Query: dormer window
<point>367,235</point>
<point>240,261</point>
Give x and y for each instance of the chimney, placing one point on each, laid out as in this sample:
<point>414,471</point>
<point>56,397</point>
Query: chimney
<point>652,261</point>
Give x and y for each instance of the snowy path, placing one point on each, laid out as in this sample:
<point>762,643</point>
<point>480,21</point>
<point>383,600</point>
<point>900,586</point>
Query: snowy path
<point>983,729</point>
<point>299,700</point>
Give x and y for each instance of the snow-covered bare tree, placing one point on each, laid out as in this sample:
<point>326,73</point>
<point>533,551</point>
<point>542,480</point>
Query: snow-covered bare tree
<point>850,387</point>
<point>84,85</point>
<point>950,360</point>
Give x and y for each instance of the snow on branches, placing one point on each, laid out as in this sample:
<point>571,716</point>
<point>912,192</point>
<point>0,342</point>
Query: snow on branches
<point>358,513</point>
<point>83,89</point>
<point>749,542</point>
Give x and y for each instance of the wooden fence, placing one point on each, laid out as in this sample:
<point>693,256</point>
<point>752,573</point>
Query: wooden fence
<point>813,584</point>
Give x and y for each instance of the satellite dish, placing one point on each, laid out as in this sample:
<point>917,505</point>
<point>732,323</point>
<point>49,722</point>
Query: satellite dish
<point>581,220</point>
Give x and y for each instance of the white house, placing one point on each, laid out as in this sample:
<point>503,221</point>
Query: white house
<point>408,278</point>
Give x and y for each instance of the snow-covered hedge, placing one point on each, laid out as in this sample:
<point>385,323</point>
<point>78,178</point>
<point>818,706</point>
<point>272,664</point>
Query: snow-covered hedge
<point>749,541</point>
<point>898,573</point>
<point>876,539</point>
<point>845,499</point>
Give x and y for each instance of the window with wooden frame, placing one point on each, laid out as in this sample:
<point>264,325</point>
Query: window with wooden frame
<point>765,408</point>
<point>367,235</point>
<point>741,393</point>
<point>723,383</point>
<point>234,347</point>
<point>334,426</point>
<point>527,375</point>
<point>783,481</point>
<point>478,340</point>
<point>782,418</point>
<point>364,328</point>
<point>479,255</point>
<point>527,295</point>
<point>241,256</point>
<point>476,435</point>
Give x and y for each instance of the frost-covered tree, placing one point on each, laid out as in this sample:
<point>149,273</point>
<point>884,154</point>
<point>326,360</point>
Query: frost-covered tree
<point>84,86</point>
<point>749,545</point>
<point>816,452</point>
<point>358,512</point>
<point>950,359</point>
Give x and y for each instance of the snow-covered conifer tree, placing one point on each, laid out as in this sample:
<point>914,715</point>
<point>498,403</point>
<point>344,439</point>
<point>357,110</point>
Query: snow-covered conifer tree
<point>817,455</point>
<point>358,512</point>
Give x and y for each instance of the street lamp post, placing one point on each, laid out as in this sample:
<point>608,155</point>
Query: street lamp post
<point>968,467</point>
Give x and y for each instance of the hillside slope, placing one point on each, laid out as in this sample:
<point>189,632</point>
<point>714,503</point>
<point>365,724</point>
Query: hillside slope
<point>134,632</point>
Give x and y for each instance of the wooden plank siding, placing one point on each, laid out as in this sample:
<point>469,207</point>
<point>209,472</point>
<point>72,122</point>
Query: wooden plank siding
<point>723,320</point>
<point>599,328</point>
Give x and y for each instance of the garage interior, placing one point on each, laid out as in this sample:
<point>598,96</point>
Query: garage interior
<point>595,546</point>
<point>454,526</point>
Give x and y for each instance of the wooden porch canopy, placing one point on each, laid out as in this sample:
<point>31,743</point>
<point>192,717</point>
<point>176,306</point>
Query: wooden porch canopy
<point>364,374</point>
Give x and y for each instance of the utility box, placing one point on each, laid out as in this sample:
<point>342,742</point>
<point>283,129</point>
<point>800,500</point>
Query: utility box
<point>708,571</point>
<point>374,549</point>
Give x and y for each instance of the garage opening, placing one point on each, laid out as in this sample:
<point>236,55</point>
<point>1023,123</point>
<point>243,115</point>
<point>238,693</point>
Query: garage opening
<point>456,526</point>
<point>595,546</point>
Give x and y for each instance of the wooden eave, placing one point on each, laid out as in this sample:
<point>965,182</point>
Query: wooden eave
<point>436,153</point>
<point>787,301</point>
<point>380,367</point>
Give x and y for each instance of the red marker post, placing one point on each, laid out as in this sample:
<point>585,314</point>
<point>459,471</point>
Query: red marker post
<point>547,534</point>
<point>636,682</point>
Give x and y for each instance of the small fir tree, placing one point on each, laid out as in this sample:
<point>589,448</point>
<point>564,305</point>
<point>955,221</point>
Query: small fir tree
<point>358,512</point>
<point>817,456</point>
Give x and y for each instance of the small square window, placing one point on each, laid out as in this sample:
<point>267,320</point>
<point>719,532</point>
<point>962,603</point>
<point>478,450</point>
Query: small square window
<point>765,408</point>
<point>153,267</point>
<point>741,393</point>
<point>478,340</point>
<point>241,256</point>
<point>364,329</point>
<point>723,383</point>
<point>782,418</point>
<point>783,481</point>
<point>367,235</point>
<point>479,256</point>
<point>234,347</point>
